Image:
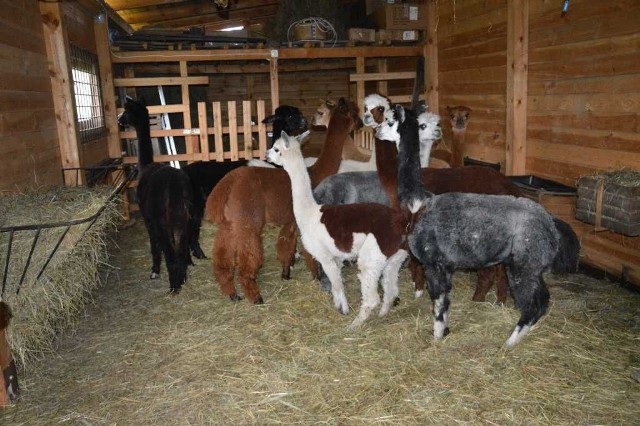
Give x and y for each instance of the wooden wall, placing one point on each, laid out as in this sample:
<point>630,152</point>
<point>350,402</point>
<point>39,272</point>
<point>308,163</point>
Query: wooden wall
<point>583,97</point>
<point>29,152</point>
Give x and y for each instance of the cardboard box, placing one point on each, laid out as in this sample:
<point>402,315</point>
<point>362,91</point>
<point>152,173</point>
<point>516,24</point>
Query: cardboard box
<point>404,16</point>
<point>362,34</point>
<point>398,35</point>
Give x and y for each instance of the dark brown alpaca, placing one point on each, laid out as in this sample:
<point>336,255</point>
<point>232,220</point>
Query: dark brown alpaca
<point>248,198</point>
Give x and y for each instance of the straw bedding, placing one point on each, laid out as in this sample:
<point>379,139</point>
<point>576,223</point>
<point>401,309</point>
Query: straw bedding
<point>142,357</point>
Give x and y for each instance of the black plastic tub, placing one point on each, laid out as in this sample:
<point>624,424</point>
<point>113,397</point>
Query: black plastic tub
<point>537,184</point>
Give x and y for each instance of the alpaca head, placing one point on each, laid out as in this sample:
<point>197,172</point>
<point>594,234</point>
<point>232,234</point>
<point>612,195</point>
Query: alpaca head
<point>286,147</point>
<point>406,128</point>
<point>377,110</point>
<point>347,110</point>
<point>135,113</point>
<point>323,113</point>
<point>286,118</point>
<point>459,117</point>
<point>429,124</point>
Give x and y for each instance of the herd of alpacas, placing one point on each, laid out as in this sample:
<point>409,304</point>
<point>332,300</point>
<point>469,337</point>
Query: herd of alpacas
<point>435,219</point>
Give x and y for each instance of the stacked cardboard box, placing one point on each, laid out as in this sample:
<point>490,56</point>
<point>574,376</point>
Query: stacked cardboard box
<point>400,16</point>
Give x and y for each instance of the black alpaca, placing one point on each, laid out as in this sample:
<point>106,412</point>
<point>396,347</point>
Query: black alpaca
<point>204,175</point>
<point>470,231</point>
<point>165,197</point>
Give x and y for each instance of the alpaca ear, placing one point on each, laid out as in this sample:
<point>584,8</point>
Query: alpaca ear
<point>142,101</point>
<point>422,107</point>
<point>270,119</point>
<point>301,137</point>
<point>400,114</point>
<point>342,105</point>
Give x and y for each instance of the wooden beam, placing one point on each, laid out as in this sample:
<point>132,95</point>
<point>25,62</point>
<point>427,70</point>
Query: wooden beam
<point>376,76</point>
<point>101,30</point>
<point>55,38</point>
<point>431,58</point>
<point>265,54</point>
<point>517,64</point>
<point>159,81</point>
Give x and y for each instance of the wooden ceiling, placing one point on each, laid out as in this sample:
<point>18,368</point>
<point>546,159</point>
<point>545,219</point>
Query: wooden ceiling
<point>184,14</point>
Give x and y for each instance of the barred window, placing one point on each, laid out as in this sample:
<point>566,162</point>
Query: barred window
<point>86,88</point>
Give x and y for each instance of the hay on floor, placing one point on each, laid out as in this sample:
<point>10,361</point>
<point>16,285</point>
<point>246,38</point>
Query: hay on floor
<point>46,305</point>
<point>143,357</point>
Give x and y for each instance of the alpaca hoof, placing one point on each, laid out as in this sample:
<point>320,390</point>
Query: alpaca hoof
<point>325,284</point>
<point>419,293</point>
<point>235,297</point>
<point>286,275</point>
<point>259,300</point>
<point>174,291</point>
<point>198,253</point>
<point>396,301</point>
<point>154,276</point>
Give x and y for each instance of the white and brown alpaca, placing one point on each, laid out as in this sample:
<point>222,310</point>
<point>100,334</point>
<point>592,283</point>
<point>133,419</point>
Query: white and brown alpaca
<point>248,198</point>
<point>459,119</point>
<point>370,233</point>
<point>349,151</point>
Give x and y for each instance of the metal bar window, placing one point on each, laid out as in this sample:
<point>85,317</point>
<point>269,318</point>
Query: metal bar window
<point>86,88</point>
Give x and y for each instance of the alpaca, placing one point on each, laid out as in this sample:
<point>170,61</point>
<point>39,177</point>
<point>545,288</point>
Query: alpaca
<point>248,198</point>
<point>332,234</point>
<point>459,118</point>
<point>350,151</point>
<point>166,201</point>
<point>458,230</point>
<point>204,175</point>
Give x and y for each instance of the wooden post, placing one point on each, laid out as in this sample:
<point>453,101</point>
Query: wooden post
<point>217,130</point>
<point>246,130</point>
<point>431,83</point>
<point>204,133</point>
<point>55,38</point>
<point>191,141</point>
<point>275,89</point>
<point>383,87</point>
<point>233,129</point>
<point>101,31</point>
<point>517,64</point>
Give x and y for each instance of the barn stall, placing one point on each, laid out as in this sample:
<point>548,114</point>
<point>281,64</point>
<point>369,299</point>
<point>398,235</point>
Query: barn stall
<point>553,99</point>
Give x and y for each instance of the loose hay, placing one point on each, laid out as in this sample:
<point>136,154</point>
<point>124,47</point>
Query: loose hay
<point>45,306</point>
<point>142,357</point>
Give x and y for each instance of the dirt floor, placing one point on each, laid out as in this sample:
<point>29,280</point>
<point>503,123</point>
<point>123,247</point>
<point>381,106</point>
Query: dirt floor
<point>139,356</point>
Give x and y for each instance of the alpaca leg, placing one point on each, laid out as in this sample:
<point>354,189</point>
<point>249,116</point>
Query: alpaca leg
<point>439,281</point>
<point>325,282</point>
<point>417,275</point>
<point>531,298</point>
<point>311,264</point>
<point>484,284</point>
<point>286,248</point>
<point>249,261</point>
<point>371,263</point>
<point>156,249</point>
<point>390,281</point>
<point>502,285</point>
<point>333,271</point>
<point>194,237</point>
<point>224,256</point>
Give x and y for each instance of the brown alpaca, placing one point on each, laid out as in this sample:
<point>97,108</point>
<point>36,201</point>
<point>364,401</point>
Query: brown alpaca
<point>459,118</point>
<point>248,198</point>
<point>349,151</point>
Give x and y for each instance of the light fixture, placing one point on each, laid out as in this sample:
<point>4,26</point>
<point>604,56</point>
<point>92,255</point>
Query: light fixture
<point>238,28</point>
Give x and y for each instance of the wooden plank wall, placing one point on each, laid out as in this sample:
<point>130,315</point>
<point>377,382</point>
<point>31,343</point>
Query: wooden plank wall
<point>472,43</point>
<point>583,103</point>
<point>29,151</point>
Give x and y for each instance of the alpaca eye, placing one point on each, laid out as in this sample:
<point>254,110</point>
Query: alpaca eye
<point>423,126</point>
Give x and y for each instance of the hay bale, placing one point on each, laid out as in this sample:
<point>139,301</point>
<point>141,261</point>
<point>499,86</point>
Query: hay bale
<point>45,305</point>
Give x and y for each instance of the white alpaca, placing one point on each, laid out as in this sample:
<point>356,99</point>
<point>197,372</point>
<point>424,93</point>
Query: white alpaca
<point>429,131</point>
<point>333,234</point>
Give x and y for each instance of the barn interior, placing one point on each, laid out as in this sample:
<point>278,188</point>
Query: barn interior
<point>552,95</point>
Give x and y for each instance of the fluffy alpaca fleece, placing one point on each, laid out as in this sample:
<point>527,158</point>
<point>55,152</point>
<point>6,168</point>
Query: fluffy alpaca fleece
<point>333,234</point>
<point>166,200</point>
<point>204,175</point>
<point>248,198</point>
<point>456,231</point>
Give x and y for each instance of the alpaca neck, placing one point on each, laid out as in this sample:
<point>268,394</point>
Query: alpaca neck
<point>411,190</point>
<point>145,150</point>
<point>459,136</point>
<point>386,157</point>
<point>303,200</point>
<point>425,153</point>
<point>330,156</point>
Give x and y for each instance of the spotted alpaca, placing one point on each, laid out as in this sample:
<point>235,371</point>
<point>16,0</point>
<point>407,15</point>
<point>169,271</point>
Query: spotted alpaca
<point>458,231</point>
<point>333,234</point>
